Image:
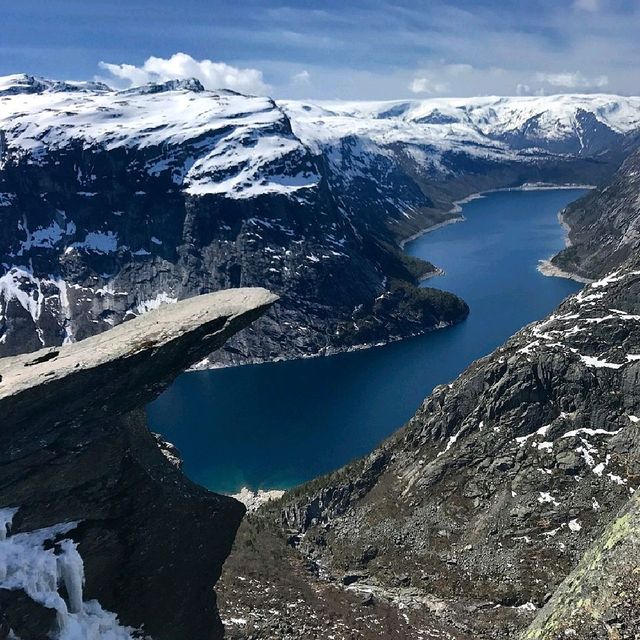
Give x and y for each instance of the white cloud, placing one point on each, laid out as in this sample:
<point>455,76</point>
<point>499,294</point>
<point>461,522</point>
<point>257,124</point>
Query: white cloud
<point>302,78</point>
<point>427,84</point>
<point>527,90</point>
<point>573,80</point>
<point>458,69</point>
<point>586,5</point>
<point>213,75</point>
<point>439,78</point>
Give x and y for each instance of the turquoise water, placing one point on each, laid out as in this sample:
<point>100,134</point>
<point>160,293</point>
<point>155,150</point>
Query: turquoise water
<point>275,425</point>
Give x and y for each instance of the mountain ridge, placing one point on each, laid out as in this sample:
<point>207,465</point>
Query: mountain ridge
<point>118,201</point>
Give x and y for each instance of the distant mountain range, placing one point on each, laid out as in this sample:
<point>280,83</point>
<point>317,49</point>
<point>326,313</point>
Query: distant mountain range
<point>114,202</point>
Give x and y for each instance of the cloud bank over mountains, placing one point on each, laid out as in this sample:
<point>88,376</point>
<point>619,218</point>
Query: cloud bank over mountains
<point>438,80</point>
<point>212,75</point>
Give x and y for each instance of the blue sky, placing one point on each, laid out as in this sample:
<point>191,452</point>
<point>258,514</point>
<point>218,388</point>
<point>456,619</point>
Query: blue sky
<point>352,49</point>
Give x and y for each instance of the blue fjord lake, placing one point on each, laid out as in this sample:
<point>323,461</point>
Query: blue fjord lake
<point>275,425</point>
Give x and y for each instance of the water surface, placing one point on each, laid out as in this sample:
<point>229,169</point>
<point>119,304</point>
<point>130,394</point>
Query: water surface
<point>275,425</point>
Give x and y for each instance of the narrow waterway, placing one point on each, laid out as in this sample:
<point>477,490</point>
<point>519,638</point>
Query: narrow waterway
<point>275,425</point>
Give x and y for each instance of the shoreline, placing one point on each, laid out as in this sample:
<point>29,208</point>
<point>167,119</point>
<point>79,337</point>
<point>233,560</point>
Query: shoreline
<point>432,274</point>
<point>545,267</point>
<point>325,353</point>
<point>429,229</point>
<point>457,205</point>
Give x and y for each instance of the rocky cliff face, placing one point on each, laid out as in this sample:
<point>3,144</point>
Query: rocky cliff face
<point>116,202</point>
<point>601,597</point>
<point>459,526</point>
<point>473,513</point>
<point>101,536</point>
<point>604,226</point>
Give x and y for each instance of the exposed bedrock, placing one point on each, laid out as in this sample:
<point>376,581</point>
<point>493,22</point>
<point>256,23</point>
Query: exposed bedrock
<point>604,226</point>
<point>472,514</point>
<point>600,599</point>
<point>75,448</point>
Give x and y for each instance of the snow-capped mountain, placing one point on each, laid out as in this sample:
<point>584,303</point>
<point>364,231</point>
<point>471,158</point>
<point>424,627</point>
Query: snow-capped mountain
<point>442,142</point>
<point>207,143</point>
<point>484,126</point>
<point>114,202</point>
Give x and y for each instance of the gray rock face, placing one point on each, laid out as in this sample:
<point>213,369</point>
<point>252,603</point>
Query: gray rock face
<point>106,219</point>
<point>75,448</point>
<point>600,599</point>
<point>494,490</point>
<point>605,225</point>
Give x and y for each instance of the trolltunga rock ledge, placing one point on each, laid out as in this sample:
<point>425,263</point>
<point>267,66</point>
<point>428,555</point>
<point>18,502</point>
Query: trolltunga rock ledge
<point>75,448</point>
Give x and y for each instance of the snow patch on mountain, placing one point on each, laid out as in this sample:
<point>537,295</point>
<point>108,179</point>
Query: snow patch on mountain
<point>223,143</point>
<point>18,283</point>
<point>209,142</point>
<point>450,122</point>
<point>145,306</point>
<point>97,241</point>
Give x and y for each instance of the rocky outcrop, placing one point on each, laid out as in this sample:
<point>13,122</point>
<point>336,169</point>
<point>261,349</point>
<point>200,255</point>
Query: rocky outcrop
<point>600,599</point>
<point>87,490</point>
<point>604,226</point>
<point>492,493</point>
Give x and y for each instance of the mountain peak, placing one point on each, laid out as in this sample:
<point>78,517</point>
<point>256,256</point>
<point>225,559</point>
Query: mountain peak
<point>186,84</point>
<point>23,83</point>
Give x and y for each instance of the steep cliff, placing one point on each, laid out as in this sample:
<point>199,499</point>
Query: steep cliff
<point>604,226</point>
<point>114,203</point>
<point>96,519</point>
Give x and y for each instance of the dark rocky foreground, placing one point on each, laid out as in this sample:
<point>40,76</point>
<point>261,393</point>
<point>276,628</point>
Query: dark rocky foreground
<point>76,455</point>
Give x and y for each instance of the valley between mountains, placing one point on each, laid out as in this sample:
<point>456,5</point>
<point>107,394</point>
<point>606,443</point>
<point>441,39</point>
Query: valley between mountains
<point>508,500</point>
<point>115,202</point>
<point>150,230</point>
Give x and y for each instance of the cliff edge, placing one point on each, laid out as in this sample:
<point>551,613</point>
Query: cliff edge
<point>100,533</point>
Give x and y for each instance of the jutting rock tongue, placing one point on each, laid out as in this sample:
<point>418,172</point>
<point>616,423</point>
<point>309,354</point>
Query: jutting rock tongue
<point>99,532</point>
